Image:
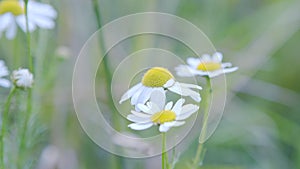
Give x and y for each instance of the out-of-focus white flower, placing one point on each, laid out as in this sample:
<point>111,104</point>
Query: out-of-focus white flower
<point>22,78</point>
<point>207,65</point>
<point>158,78</point>
<point>53,157</point>
<point>63,52</point>
<point>157,113</point>
<point>4,72</point>
<point>12,13</point>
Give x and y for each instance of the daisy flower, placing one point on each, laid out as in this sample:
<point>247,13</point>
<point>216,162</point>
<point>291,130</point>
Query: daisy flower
<point>12,14</point>
<point>158,78</point>
<point>207,65</point>
<point>4,72</point>
<point>155,112</point>
<point>22,78</point>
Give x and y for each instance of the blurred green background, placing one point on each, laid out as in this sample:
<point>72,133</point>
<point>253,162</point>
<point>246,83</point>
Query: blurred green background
<point>260,128</point>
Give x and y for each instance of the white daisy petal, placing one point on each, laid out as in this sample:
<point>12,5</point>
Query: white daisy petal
<point>169,124</point>
<point>130,92</point>
<point>178,106</point>
<point>169,106</point>
<point>43,22</point>
<point>163,128</point>
<point>187,111</point>
<point>136,95</point>
<point>177,88</point>
<point>137,119</point>
<point>184,71</point>
<point>227,64</point>
<point>144,108</point>
<point>229,70</point>
<point>41,9</point>
<point>158,96</point>
<point>139,114</point>
<point>11,30</point>
<point>205,58</point>
<point>140,126</point>
<point>169,83</point>
<point>145,95</point>
<point>178,123</point>
<point>194,62</point>
<point>21,21</point>
<point>191,86</point>
<point>217,57</point>
<point>5,83</point>
<point>5,21</point>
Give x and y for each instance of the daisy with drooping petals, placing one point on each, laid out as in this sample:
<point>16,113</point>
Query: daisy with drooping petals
<point>158,78</point>
<point>12,13</point>
<point>207,65</point>
<point>22,78</point>
<point>4,72</point>
<point>155,112</point>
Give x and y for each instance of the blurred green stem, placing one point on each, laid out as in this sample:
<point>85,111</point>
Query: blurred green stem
<point>29,96</point>
<point>107,73</point>
<point>4,124</point>
<point>115,161</point>
<point>164,156</point>
<point>30,58</point>
<point>206,105</point>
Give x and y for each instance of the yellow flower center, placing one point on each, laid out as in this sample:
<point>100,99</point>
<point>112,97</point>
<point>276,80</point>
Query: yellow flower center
<point>163,116</point>
<point>156,77</point>
<point>12,6</point>
<point>209,66</point>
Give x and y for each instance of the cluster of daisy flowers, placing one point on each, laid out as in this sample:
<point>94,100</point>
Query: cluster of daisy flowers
<point>13,15</point>
<point>149,96</point>
<point>20,78</point>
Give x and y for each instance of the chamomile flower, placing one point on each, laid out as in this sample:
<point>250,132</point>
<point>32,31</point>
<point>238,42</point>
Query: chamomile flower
<point>207,65</point>
<point>4,72</point>
<point>12,14</point>
<point>22,78</point>
<point>155,112</point>
<point>158,78</point>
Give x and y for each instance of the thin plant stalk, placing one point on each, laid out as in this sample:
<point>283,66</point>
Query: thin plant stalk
<point>202,136</point>
<point>115,161</point>
<point>4,125</point>
<point>29,96</point>
<point>107,72</point>
<point>164,156</point>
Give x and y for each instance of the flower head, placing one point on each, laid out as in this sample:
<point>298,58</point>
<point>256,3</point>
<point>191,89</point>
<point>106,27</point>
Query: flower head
<point>22,78</point>
<point>207,65</point>
<point>155,112</point>
<point>158,78</point>
<point>4,72</point>
<point>12,13</point>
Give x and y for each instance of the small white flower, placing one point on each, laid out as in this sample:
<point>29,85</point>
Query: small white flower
<point>22,78</point>
<point>12,13</point>
<point>207,65</point>
<point>157,113</point>
<point>4,72</point>
<point>158,78</point>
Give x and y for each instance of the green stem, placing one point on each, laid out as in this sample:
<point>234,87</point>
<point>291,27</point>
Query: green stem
<point>4,124</point>
<point>107,72</point>
<point>163,156</point>
<point>27,117</point>
<point>115,161</point>
<point>29,96</point>
<point>30,58</point>
<point>206,105</point>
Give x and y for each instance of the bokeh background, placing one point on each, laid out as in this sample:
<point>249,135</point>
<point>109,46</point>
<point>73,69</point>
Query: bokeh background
<point>261,123</point>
